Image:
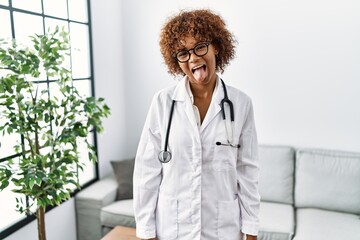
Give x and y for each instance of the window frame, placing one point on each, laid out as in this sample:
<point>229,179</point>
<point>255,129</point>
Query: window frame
<point>29,218</point>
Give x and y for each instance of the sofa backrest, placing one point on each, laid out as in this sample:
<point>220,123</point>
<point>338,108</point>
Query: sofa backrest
<point>328,180</point>
<point>276,180</point>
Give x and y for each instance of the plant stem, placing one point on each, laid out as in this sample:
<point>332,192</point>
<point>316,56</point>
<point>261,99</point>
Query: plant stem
<point>37,145</point>
<point>40,216</point>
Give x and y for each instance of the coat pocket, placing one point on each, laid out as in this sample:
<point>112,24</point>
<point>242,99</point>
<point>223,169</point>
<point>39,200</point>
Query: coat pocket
<point>225,157</point>
<point>228,220</point>
<point>167,218</point>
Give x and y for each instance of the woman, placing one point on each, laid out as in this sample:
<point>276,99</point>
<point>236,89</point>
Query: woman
<point>196,173</point>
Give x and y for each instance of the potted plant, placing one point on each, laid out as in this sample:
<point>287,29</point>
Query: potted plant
<point>46,169</point>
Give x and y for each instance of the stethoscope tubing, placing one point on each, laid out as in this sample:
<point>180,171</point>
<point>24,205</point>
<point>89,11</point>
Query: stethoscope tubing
<point>169,125</point>
<point>226,100</point>
<point>165,155</point>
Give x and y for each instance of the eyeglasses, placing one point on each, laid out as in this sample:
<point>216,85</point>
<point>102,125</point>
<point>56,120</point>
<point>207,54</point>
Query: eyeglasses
<point>199,50</point>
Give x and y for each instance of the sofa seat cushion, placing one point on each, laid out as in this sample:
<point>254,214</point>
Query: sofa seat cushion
<point>276,221</point>
<point>118,213</point>
<point>316,224</point>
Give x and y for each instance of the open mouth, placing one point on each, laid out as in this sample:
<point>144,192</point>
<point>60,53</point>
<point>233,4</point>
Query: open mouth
<point>199,68</point>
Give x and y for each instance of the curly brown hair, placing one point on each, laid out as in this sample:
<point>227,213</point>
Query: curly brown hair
<point>203,25</point>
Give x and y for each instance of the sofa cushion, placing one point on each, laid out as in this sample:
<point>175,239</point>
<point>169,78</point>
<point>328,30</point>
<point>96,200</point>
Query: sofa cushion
<point>276,180</point>
<point>123,171</point>
<point>315,224</point>
<point>118,213</point>
<point>328,180</point>
<point>276,221</point>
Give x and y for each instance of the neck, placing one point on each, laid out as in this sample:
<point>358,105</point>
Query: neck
<point>202,91</point>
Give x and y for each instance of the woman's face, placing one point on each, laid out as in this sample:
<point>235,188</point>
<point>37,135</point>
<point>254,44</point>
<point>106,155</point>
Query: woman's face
<point>199,70</point>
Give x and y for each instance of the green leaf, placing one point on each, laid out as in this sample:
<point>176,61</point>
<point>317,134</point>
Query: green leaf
<point>31,183</point>
<point>38,181</point>
<point>47,117</point>
<point>10,130</point>
<point>4,184</point>
<point>7,173</point>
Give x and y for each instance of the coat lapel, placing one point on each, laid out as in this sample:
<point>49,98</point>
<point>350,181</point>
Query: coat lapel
<point>214,108</point>
<point>182,97</point>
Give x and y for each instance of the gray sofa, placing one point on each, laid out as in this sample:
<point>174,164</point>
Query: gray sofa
<point>306,194</point>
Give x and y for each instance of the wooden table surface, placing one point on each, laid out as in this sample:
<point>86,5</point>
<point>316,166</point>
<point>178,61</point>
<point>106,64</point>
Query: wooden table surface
<point>121,233</point>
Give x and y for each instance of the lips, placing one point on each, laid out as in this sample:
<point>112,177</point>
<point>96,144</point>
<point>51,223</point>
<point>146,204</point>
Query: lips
<point>198,67</point>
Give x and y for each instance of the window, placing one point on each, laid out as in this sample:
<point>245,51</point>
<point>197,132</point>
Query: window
<point>19,19</point>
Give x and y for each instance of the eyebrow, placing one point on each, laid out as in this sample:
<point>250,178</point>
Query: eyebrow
<point>186,49</point>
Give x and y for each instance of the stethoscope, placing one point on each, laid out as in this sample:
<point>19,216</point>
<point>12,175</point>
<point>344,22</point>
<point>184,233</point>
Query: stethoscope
<point>165,155</point>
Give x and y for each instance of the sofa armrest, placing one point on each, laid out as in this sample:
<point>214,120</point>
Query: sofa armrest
<point>88,204</point>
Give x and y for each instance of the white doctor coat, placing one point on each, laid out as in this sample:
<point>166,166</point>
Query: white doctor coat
<point>206,191</point>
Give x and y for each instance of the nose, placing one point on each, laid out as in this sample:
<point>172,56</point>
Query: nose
<point>193,56</point>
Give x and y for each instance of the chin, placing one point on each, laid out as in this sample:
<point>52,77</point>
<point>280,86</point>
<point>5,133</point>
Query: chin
<point>201,82</point>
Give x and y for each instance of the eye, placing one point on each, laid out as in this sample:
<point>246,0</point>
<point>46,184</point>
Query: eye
<point>201,47</point>
<point>182,54</point>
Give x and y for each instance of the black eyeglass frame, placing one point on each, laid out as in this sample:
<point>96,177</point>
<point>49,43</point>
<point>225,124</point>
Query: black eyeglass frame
<point>175,55</point>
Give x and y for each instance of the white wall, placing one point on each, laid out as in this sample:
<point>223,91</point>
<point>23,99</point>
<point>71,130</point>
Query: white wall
<point>299,60</point>
<point>109,78</point>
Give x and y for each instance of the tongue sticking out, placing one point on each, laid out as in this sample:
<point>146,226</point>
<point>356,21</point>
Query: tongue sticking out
<point>200,73</point>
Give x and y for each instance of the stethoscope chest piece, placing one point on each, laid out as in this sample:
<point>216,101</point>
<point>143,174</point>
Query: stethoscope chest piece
<point>165,156</point>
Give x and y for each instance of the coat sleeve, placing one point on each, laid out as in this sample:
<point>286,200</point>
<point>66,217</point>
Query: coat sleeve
<point>147,175</point>
<point>248,175</point>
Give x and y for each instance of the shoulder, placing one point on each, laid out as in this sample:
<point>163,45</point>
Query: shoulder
<point>165,93</point>
<point>164,96</point>
<point>237,94</point>
<point>241,101</point>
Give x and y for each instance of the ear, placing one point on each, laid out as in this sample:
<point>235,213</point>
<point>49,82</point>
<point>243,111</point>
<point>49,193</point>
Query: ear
<point>216,51</point>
